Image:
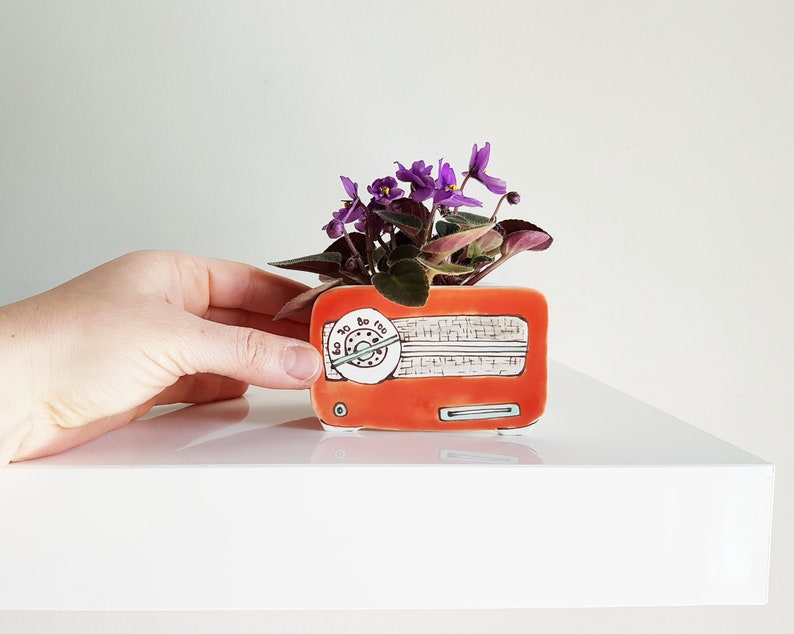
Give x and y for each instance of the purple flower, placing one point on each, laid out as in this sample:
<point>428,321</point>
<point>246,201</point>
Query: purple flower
<point>384,190</point>
<point>477,164</point>
<point>447,192</point>
<point>370,223</point>
<point>422,184</point>
<point>334,229</point>
<point>352,210</point>
<point>351,188</point>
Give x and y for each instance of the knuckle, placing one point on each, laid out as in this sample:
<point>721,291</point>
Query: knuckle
<point>253,350</point>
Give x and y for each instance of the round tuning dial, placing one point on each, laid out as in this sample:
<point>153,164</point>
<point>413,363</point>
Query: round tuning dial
<point>364,346</point>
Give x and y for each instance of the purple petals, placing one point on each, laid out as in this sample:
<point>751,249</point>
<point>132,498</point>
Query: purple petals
<point>353,210</point>
<point>477,165</point>
<point>479,157</point>
<point>351,188</point>
<point>457,199</point>
<point>422,184</point>
<point>447,192</point>
<point>350,213</point>
<point>494,185</point>
<point>384,190</point>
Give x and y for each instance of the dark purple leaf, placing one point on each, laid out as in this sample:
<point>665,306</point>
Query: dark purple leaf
<point>305,300</point>
<point>522,235</point>
<point>326,263</point>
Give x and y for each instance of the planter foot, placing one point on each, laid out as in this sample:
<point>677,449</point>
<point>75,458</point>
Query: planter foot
<point>516,431</point>
<point>339,430</point>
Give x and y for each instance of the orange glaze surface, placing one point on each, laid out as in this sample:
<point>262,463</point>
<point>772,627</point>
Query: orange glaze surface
<point>488,373</point>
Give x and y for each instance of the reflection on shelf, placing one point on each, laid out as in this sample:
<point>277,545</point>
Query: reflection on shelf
<point>399,447</point>
<point>239,432</point>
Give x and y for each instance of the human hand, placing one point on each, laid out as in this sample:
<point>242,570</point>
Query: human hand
<point>146,329</point>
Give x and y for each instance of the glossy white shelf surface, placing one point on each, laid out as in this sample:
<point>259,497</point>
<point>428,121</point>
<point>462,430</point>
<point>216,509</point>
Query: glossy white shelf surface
<point>248,504</point>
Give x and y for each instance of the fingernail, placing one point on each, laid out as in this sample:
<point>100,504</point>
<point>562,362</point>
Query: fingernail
<point>301,362</point>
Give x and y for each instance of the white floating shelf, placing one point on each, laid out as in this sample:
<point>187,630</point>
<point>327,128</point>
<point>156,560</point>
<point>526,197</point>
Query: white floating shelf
<point>248,504</point>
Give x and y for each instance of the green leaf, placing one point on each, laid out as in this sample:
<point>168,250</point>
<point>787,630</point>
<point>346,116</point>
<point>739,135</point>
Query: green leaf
<point>446,228</point>
<point>321,263</point>
<point>408,223</point>
<point>411,208</point>
<point>406,283</point>
<point>378,253</point>
<point>467,219</point>
<point>449,244</point>
<point>404,252</point>
<point>487,243</point>
<point>446,269</point>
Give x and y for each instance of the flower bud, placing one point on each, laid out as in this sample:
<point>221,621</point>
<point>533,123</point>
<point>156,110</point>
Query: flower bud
<point>351,264</point>
<point>513,198</point>
<point>334,229</point>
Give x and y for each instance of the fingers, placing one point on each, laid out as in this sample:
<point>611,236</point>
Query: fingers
<point>240,286</point>
<point>248,355</point>
<point>52,438</point>
<point>49,439</point>
<point>235,317</point>
<point>201,388</point>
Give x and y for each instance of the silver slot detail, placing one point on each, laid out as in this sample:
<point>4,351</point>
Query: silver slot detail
<point>479,412</point>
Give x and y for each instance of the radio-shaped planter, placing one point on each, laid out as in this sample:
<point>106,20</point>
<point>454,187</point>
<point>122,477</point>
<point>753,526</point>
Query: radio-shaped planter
<point>471,358</point>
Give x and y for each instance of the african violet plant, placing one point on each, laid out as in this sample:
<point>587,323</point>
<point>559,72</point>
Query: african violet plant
<point>405,241</point>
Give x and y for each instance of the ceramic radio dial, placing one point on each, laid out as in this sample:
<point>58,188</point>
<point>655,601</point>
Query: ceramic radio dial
<point>364,346</point>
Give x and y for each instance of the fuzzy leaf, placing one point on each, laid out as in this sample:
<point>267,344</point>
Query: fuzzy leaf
<point>455,241</point>
<point>326,263</point>
<point>305,300</point>
<point>485,244</point>
<point>446,228</point>
<point>467,219</point>
<point>446,269</point>
<point>410,207</point>
<point>403,252</point>
<point>341,246</point>
<point>406,283</point>
<point>481,259</point>
<point>522,235</point>
<point>378,254</point>
<point>407,222</point>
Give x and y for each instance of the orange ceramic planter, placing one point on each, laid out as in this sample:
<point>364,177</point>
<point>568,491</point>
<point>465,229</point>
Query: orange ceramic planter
<point>472,358</point>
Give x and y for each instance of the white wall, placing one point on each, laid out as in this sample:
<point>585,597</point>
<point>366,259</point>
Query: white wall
<point>653,140</point>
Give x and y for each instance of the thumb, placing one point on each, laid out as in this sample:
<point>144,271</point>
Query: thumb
<point>252,356</point>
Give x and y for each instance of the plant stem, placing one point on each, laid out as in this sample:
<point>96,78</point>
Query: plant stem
<point>463,184</point>
<point>499,204</point>
<point>356,254</point>
<point>484,271</point>
<point>429,228</point>
<point>460,189</point>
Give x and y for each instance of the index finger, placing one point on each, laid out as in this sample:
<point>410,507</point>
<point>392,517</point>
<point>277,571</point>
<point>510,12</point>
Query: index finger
<point>228,284</point>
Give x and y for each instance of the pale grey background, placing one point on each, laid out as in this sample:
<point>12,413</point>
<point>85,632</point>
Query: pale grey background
<point>653,140</point>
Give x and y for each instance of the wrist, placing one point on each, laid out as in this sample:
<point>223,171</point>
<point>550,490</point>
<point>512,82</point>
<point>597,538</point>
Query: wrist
<point>16,379</point>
